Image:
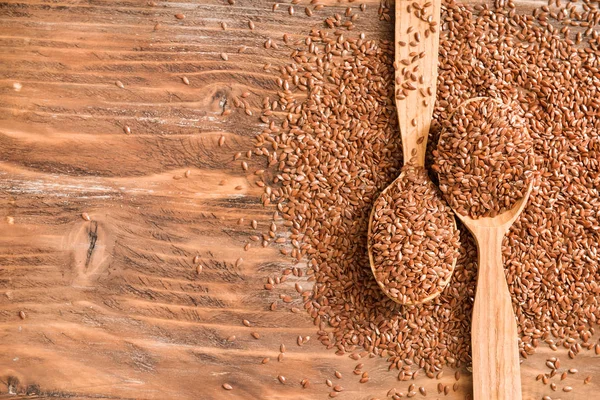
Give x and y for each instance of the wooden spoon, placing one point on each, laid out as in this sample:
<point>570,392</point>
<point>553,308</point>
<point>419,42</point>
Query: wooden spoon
<point>417,39</point>
<point>494,340</point>
<point>494,336</point>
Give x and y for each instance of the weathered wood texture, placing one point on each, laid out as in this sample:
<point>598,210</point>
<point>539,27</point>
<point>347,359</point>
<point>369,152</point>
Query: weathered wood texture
<point>113,307</point>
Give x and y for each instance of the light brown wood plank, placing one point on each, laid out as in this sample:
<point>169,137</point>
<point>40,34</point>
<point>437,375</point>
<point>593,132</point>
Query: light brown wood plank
<point>132,319</point>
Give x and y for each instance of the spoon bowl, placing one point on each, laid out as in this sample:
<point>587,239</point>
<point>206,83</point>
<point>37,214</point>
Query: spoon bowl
<point>405,301</point>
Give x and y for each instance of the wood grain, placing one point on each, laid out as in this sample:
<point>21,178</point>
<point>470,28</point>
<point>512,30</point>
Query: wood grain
<point>113,307</point>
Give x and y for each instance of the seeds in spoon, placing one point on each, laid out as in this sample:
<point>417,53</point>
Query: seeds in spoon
<point>413,239</point>
<point>484,157</point>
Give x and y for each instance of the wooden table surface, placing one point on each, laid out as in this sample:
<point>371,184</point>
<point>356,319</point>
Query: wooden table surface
<point>113,307</point>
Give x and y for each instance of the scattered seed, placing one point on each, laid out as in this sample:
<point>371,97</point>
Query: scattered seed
<point>318,152</point>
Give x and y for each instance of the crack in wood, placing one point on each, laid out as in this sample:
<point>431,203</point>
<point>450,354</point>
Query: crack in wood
<point>93,235</point>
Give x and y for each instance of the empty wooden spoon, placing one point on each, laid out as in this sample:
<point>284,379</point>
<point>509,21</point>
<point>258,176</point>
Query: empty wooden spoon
<point>416,59</point>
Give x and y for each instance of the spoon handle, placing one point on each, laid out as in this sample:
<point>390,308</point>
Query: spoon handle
<point>417,42</point>
<point>496,370</point>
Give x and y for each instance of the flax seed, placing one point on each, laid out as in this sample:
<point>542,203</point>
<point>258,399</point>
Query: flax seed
<point>328,186</point>
<point>500,154</point>
<point>395,270</point>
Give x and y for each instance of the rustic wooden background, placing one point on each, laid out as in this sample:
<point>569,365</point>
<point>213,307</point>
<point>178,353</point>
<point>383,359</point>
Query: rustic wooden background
<point>113,307</point>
